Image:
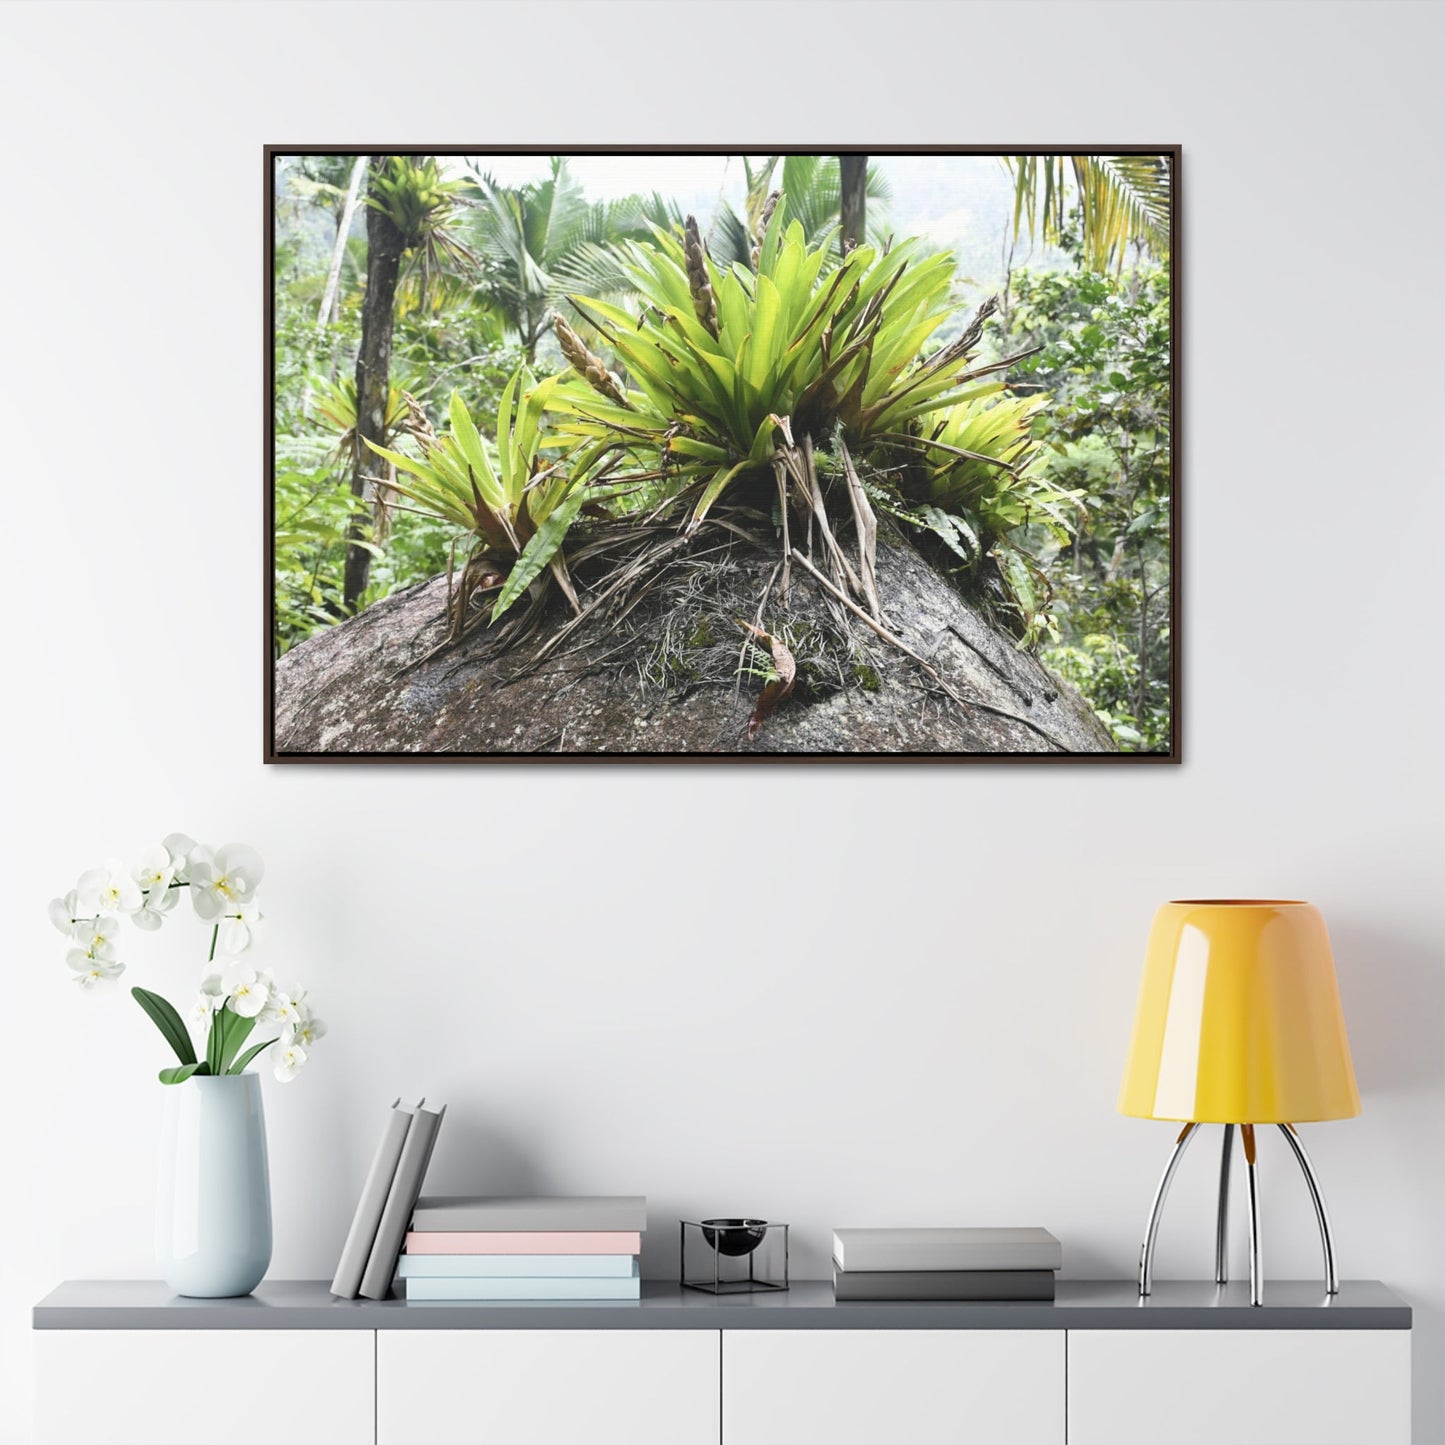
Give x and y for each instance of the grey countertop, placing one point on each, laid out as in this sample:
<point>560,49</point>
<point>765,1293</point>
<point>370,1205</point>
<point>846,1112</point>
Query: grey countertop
<point>809,1305</point>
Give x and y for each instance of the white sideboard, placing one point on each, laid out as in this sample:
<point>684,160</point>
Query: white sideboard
<point>534,1387</point>
<point>127,1363</point>
<point>202,1387</point>
<point>868,1387</point>
<point>1255,1387</point>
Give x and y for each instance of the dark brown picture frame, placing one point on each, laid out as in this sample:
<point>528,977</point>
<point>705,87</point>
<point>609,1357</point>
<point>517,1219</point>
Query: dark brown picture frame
<point>273,753</point>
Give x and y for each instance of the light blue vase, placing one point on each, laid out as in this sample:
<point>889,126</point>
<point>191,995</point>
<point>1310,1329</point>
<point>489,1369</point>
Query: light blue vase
<point>213,1216</point>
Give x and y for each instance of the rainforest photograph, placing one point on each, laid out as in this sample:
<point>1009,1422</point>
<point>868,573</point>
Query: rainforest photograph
<point>695,454</point>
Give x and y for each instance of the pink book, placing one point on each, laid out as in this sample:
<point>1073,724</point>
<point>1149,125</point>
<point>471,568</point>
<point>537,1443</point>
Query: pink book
<point>521,1242</point>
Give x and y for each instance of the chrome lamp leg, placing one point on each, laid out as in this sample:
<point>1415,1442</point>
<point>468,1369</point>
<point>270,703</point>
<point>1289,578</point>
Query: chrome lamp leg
<point>1251,1171</point>
<point>1151,1232</point>
<point>1332,1278</point>
<point>1221,1227</point>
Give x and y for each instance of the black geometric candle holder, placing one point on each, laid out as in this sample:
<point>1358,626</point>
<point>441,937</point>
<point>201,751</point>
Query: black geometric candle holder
<point>733,1256</point>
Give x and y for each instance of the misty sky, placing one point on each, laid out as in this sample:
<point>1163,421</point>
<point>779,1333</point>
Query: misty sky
<point>962,202</point>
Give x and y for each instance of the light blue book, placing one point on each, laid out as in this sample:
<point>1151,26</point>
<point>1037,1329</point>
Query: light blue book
<point>523,1289</point>
<point>517,1266</point>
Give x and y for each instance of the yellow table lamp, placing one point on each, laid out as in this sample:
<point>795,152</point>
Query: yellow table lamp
<point>1239,1023</point>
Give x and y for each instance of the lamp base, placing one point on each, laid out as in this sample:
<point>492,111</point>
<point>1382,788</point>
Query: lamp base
<point>1221,1233</point>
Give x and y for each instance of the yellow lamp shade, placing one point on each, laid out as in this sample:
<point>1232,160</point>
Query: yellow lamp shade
<point>1239,1018</point>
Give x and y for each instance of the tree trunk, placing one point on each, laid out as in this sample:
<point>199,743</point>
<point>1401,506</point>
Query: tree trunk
<point>326,312</point>
<point>854,171</point>
<point>660,675</point>
<point>373,378</point>
<point>338,251</point>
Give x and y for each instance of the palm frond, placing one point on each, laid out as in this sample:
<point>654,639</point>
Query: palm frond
<point>1123,199</point>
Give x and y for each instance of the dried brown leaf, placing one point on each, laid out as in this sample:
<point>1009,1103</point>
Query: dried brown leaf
<point>776,691</point>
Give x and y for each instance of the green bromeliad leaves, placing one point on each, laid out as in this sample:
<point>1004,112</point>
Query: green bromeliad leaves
<point>982,460</point>
<point>723,364</point>
<point>498,488</point>
<point>792,341</point>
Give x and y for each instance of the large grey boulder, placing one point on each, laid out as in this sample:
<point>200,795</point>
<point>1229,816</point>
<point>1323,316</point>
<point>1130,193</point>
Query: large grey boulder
<point>663,678</point>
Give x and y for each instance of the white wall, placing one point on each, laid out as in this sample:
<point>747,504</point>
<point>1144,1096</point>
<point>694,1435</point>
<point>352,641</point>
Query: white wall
<point>829,996</point>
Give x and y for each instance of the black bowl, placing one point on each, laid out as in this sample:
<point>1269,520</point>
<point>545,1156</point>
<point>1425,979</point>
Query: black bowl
<point>734,1237</point>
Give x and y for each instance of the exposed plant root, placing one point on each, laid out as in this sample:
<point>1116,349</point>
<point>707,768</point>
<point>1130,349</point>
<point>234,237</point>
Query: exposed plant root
<point>613,566</point>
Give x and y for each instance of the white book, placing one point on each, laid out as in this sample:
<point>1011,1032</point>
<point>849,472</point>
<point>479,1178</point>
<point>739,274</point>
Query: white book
<point>523,1289</point>
<point>517,1266</point>
<point>954,1249</point>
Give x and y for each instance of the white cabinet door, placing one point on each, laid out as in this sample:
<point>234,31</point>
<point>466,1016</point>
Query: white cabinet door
<point>547,1387</point>
<point>203,1387</point>
<point>1247,1387</point>
<point>893,1387</point>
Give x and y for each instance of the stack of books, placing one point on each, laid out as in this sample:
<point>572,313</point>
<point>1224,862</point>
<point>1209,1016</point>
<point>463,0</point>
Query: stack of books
<point>485,1248</point>
<point>945,1264</point>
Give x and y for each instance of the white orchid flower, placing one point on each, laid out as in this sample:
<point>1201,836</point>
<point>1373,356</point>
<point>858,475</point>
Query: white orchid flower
<point>180,848</point>
<point>305,1031</point>
<point>281,1009</point>
<point>109,889</point>
<point>222,883</point>
<point>290,1060</point>
<point>65,912</point>
<point>211,997</point>
<point>248,994</point>
<point>99,937</point>
<point>153,912</point>
<point>156,869</point>
<point>240,929</point>
<point>91,971</point>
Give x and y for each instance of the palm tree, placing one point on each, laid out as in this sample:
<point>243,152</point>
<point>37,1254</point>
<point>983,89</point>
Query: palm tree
<point>1122,198</point>
<point>543,239</point>
<point>411,214</point>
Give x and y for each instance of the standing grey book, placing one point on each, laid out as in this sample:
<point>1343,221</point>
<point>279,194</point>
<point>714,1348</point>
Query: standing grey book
<point>581,1214</point>
<point>908,1249</point>
<point>944,1284</point>
<point>400,1201</point>
<point>364,1223</point>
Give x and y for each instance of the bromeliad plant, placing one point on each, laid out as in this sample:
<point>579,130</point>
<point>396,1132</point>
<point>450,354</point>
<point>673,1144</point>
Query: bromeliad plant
<point>737,374</point>
<point>514,503</point>
<point>234,999</point>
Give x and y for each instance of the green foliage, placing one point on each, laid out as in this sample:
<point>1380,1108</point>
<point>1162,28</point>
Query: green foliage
<point>168,1021</point>
<point>537,241</point>
<point>988,474</point>
<point>810,192</point>
<point>1042,481</point>
<point>179,1073</point>
<point>709,397</point>
<point>515,505</point>
<point>1121,200</point>
<point>228,1031</point>
<point>486,486</point>
<point>425,210</point>
<point>313,510</point>
<point>1107,673</point>
<point>1106,362</point>
<point>250,1056</point>
<point>727,364</point>
<point>434,348</point>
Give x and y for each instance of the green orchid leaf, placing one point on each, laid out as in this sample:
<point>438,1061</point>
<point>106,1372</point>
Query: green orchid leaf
<point>240,1065</point>
<point>168,1021</point>
<point>179,1073</point>
<point>235,1033</point>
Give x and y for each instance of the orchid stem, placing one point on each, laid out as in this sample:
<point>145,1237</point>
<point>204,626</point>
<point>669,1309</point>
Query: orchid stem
<point>215,934</point>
